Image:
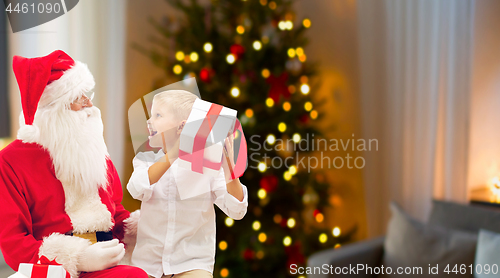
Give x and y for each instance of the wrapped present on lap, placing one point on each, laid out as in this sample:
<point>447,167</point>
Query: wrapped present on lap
<point>43,269</point>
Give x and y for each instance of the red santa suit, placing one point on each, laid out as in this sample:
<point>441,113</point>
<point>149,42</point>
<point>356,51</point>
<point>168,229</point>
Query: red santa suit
<point>39,211</point>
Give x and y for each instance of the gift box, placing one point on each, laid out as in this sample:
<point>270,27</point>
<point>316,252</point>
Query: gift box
<point>203,136</point>
<point>43,269</point>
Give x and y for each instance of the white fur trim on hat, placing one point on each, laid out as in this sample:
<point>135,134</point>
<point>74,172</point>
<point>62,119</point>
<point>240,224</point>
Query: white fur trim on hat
<point>60,93</point>
<point>28,133</point>
<point>71,85</point>
<point>65,250</point>
<point>130,237</point>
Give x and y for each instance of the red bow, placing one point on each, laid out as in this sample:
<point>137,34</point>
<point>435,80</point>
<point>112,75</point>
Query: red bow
<point>41,269</point>
<point>45,261</point>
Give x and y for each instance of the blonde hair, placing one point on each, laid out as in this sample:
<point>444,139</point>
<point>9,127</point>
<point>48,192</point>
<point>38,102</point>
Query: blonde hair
<point>178,102</point>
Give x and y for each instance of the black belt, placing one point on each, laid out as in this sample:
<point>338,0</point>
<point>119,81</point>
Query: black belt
<point>99,236</point>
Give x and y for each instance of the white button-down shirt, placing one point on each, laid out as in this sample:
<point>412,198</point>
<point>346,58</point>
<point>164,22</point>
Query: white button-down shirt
<point>174,235</point>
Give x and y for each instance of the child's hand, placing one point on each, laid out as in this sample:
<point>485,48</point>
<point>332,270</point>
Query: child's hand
<point>228,159</point>
<point>233,183</point>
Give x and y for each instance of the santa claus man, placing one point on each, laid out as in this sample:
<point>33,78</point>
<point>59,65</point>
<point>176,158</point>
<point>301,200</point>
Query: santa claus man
<point>60,195</point>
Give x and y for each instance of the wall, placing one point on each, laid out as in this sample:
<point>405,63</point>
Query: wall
<point>334,45</point>
<point>484,152</point>
<point>139,70</point>
<point>4,104</point>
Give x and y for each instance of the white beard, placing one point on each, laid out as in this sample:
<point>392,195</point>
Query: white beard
<point>75,142</point>
<point>76,145</point>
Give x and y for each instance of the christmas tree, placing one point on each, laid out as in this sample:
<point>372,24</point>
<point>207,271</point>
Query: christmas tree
<point>249,56</point>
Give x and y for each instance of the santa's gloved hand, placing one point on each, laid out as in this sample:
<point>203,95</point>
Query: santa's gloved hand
<point>101,255</point>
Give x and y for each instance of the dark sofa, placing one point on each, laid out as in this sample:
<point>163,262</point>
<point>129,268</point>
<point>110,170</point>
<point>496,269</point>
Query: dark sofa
<point>370,252</point>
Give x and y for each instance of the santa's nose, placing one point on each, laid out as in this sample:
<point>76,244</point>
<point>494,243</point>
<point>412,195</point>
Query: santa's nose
<point>88,104</point>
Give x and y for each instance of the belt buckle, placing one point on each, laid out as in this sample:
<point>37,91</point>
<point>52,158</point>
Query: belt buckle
<point>90,236</point>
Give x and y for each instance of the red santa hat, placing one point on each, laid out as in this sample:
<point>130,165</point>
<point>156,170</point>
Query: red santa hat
<point>53,80</point>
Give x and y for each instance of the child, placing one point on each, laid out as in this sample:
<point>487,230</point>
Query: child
<point>176,238</point>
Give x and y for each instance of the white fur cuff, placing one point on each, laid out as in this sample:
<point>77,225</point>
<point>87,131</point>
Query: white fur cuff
<point>131,223</point>
<point>130,237</point>
<point>65,250</point>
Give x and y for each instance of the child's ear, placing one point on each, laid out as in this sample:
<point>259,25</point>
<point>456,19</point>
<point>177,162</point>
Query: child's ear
<point>180,127</point>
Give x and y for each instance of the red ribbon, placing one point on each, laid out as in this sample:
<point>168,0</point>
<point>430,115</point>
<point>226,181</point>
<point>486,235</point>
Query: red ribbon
<point>45,261</point>
<point>41,269</point>
<point>206,163</point>
<point>201,137</point>
<point>197,157</point>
